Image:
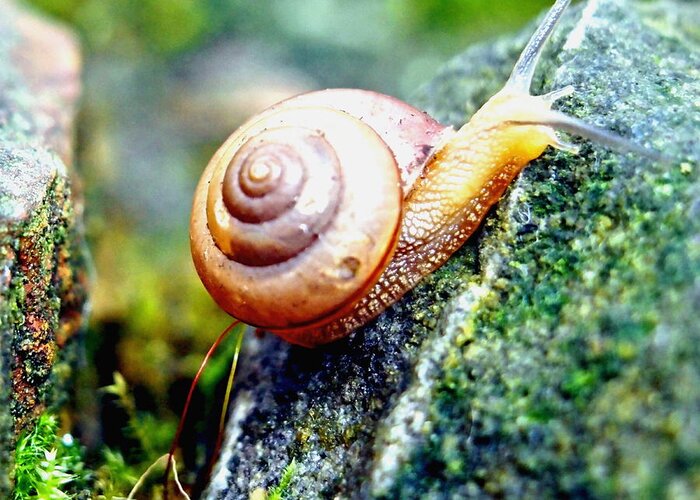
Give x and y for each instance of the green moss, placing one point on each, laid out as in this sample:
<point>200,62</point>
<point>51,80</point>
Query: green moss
<point>49,466</point>
<point>152,435</point>
<point>319,430</point>
<point>280,492</point>
<point>114,477</point>
<point>36,306</point>
<point>46,466</point>
<point>33,309</point>
<point>534,334</point>
<point>52,467</point>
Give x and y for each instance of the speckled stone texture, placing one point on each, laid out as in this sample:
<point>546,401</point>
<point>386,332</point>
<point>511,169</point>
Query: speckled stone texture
<point>558,352</point>
<point>42,256</point>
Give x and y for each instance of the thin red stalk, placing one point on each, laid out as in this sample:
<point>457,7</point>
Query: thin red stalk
<point>183,415</point>
<point>227,399</point>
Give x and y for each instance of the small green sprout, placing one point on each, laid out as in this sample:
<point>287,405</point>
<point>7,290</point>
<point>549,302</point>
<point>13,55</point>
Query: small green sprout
<point>280,492</point>
<point>45,466</point>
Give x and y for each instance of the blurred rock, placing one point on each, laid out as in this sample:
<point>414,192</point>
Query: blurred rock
<point>557,353</point>
<point>151,126</point>
<point>223,85</point>
<point>42,254</point>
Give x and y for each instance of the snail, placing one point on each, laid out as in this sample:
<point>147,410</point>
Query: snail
<point>325,209</point>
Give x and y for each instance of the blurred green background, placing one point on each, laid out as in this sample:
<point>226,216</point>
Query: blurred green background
<point>165,82</point>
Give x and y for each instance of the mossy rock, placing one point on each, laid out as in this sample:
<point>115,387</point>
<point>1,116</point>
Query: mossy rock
<point>42,254</point>
<point>558,352</point>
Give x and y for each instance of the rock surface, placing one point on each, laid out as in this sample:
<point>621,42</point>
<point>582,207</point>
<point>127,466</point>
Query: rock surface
<point>558,352</point>
<point>42,255</point>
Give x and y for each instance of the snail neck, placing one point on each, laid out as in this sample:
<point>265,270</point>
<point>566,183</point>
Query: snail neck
<point>506,129</point>
<point>469,172</point>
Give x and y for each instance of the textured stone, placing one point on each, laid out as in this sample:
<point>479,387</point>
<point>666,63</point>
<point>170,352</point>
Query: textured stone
<point>42,254</point>
<point>558,352</point>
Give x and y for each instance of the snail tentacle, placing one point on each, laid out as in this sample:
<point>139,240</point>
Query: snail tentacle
<point>524,69</point>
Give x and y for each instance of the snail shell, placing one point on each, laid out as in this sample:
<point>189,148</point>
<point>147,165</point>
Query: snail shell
<point>292,222</point>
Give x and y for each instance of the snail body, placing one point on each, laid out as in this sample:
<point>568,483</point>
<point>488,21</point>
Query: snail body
<point>322,211</point>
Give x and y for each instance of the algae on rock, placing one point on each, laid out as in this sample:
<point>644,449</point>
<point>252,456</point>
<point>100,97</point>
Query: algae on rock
<point>42,254</point>
<point>558,352</point>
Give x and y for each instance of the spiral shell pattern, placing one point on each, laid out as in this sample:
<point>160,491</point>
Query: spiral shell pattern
<point>296,217</point>
<point>281,189</point>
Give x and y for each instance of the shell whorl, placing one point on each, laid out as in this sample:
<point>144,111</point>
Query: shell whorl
<point>280,191</point>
